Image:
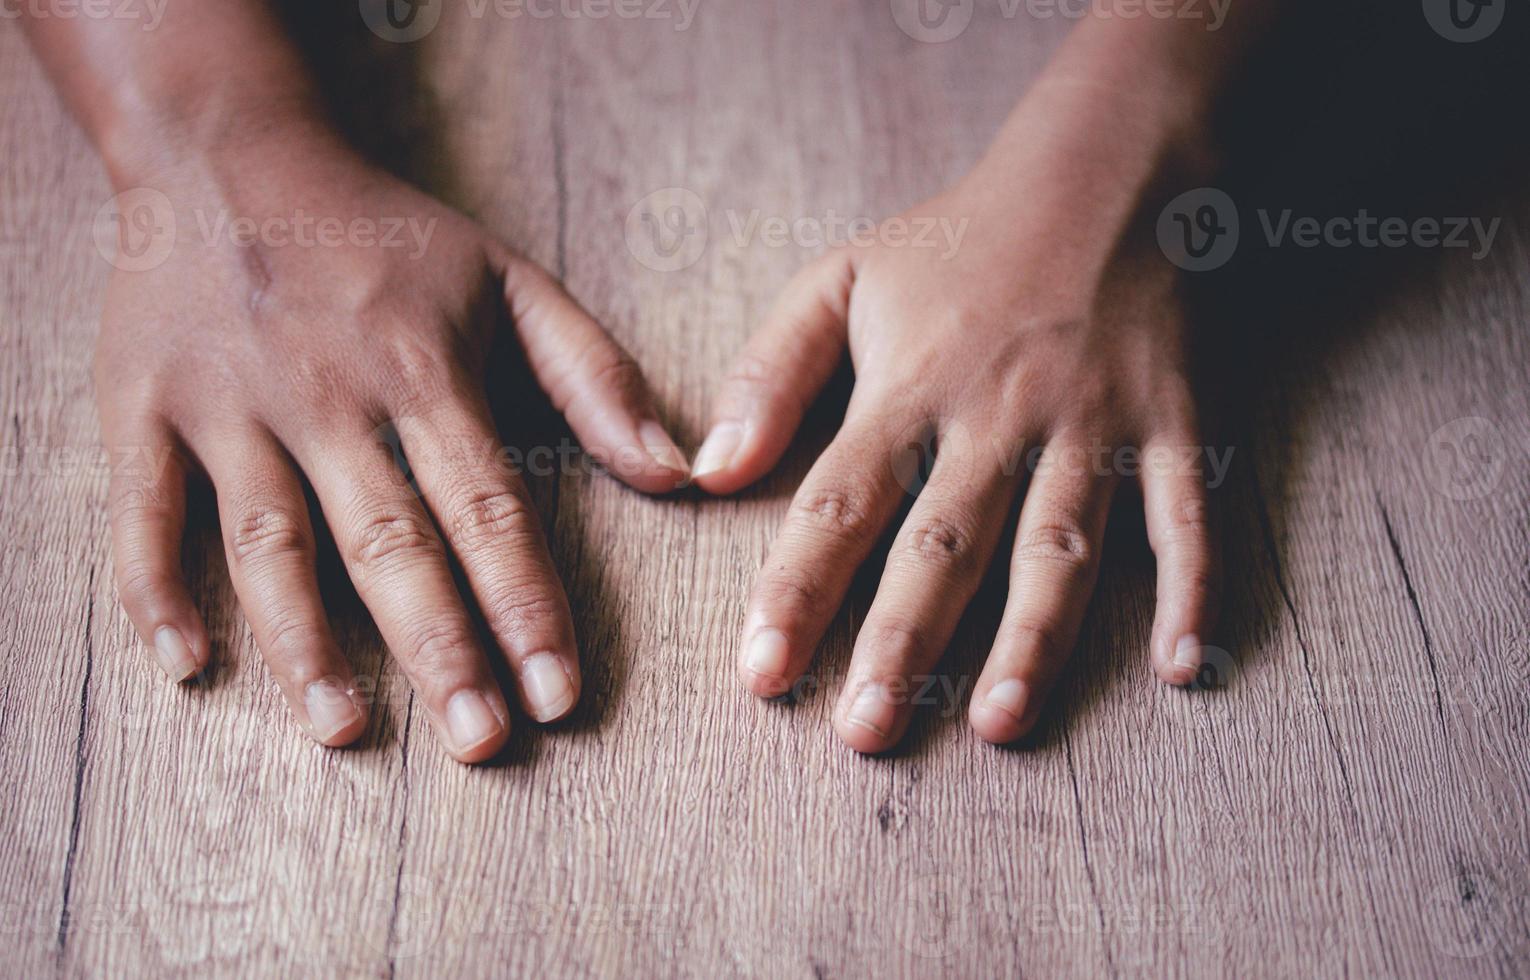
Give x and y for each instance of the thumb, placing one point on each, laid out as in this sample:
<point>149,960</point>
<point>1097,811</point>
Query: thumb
<point>774,381</point>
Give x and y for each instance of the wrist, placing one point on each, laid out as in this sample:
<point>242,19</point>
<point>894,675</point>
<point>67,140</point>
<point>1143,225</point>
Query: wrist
<point>1099,137</point>
<point>219,146</point>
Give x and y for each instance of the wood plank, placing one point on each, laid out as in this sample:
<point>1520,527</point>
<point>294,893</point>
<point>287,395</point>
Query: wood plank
<point>1353,802</point>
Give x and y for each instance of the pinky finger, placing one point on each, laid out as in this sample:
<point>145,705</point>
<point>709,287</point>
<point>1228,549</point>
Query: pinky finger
<point>147,500</point>
<point>1174,493</point>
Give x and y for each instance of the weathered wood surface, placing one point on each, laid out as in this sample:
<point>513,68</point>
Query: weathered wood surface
<point>1355,802</point>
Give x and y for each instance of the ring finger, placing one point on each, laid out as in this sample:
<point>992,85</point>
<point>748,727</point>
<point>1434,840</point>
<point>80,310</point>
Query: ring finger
<point>270,545</point>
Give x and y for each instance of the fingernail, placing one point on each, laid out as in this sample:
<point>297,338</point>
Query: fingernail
<point>871,710</point>
<point>1009,696</point>
<point>767,654</point>
<point>174,654</point>
<point>661,447</point>
<point>717,449</point>
<point>546,689</point>
<point>330,709</point>
<point>1187,652</point>
<point>470,721</point>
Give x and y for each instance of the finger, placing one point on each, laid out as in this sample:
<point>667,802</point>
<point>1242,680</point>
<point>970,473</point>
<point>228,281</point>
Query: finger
<point>1174,494</point>
<point>147,501</point>
<point>933,570</point>
<point>399,567</point>
<point>774,381</point>
<point>1055,564</point>
<point>834,522</point>
<point>492,527</point>
<point>592,381</point>
<point>269,541</point>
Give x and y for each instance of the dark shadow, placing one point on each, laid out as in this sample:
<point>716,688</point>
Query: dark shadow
<point>1349,107</point>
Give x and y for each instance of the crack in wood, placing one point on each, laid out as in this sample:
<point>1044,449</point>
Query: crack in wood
<point>1267,530</point>
<point>1418,612</point>
<point>1083,840</point>
<point>403,828</point>
<point>1268,533</point>
<point>79,763</point>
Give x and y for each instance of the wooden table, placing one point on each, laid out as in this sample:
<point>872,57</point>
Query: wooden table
<point>1353,801</point>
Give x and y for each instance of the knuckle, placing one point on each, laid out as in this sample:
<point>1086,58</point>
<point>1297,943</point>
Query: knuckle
<point>1061,543</point>
<point>294,642</point>
<point>138,503</point>
<point>263,535</point>
<point>1190,516</point>
<point>839,511</point>
<point>1040,635</point>
<point>387,540</point>
<point>753,370</point>
<point>314,379</point>
<point>940,542</point>
<point>415,364</point>
<point>894,634</point>
<point>486,514</point>
<point>614,369</point>
<point>754,377</point>
<point>526,609</point>
<point>785,591</point>
<point>140,583</point>
<point>422,374</point>
<point>441,651</point>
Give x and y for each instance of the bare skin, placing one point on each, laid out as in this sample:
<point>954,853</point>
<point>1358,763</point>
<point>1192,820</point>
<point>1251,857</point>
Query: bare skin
<point>1054,324</point>
<point>268,365</point>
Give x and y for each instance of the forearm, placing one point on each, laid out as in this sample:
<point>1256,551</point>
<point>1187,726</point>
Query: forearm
<point>211,78</point>
<point>1125,106</point>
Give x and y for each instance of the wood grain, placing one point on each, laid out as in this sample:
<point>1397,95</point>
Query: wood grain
<point>1353,802</point>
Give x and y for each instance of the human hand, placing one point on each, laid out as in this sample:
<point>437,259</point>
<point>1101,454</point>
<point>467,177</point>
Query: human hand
<point>1042,327</point>
<point>267,363</point>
